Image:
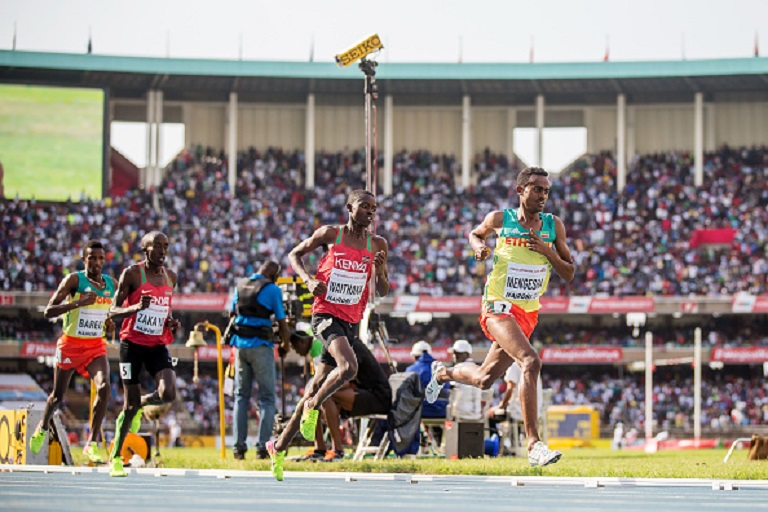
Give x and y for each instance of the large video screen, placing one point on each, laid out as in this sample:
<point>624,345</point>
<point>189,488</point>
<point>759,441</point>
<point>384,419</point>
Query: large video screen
<point>52,142</point>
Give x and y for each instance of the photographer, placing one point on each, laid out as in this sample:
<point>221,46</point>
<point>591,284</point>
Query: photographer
<point>257,298</point>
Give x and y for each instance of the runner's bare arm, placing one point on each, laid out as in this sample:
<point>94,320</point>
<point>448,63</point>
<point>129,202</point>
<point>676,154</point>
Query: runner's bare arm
<point>325,235</point>
<point>560,258</point>
<point>380,261</point>
<point>67,288</point>
<point>488,227</point>
<point>129,281</point>
<point>172,323</point>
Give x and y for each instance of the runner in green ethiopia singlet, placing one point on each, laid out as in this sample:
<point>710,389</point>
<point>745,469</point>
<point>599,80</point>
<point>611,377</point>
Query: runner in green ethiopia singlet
<point>519,275</point>
<point>88,321</point>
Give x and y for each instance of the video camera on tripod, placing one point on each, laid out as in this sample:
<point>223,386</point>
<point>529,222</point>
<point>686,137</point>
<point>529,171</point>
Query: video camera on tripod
<point>297,300</point>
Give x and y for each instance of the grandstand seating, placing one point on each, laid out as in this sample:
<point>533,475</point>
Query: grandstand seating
<point>627,244</point>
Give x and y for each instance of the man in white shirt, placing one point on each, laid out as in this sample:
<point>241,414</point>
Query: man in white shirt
<point>465,399</point>
<point>511,399</point>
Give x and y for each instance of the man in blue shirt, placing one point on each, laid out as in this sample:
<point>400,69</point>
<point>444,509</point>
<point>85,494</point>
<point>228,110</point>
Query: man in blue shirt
<point>422,353</point>
<point>257,300</point>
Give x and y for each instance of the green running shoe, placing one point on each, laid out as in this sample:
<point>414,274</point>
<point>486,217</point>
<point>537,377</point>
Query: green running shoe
<point>93,453</point>
<point>277,458</point>
<point>308,423</point>
<point>136,421</point>
<point>116,467</point>
<point>37,440</point>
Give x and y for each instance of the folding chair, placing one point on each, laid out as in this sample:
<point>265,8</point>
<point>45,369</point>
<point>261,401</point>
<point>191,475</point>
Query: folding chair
<point>366,430</point>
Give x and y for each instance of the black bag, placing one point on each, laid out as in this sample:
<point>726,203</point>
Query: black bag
<point>265,332</point>
<point>404,418</point>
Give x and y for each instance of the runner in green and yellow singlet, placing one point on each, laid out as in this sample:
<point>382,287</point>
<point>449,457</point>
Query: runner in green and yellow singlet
<point>530,245</point>
<point>83,299</point>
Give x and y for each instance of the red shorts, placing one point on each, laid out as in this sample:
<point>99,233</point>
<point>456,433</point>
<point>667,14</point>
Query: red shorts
<point>77,353</point>
<point>527,320</point>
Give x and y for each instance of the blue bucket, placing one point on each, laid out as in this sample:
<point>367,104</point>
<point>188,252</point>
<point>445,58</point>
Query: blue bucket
<point>491,446</point>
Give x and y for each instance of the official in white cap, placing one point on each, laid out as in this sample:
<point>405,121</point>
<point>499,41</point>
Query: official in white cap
<point>465,400</point>
<point>419,348</point>
<point>461,350</point>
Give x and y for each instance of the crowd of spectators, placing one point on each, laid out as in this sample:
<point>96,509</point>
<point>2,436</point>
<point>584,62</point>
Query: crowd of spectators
<point>638,242</point>
<point>728,400</point>
<point>632,243</point>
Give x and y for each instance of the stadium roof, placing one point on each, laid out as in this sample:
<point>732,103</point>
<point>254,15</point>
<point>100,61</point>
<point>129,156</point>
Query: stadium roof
<point>491,83</point>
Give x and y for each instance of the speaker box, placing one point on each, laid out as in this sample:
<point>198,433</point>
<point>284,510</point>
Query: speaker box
<point>464,439</point>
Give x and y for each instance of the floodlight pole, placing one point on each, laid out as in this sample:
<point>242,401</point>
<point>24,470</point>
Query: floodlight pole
<point>697,383</point>
<point>371,91</point>
<point>648,386</point>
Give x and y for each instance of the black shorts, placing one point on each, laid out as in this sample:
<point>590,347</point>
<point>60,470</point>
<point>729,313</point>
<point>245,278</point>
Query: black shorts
<point>369,402</point>
<point>327,328</point>
<point>134,357</point>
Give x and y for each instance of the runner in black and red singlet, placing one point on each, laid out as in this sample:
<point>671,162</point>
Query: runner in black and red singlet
<point>341,294</point>
<point>144,293</point>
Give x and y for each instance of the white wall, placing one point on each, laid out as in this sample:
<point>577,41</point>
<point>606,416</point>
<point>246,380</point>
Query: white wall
<point>341,127</point>
<point>489,129</point>
<point>263,126</point>
<point>659,127</point>
<point>205,124</point>
<point>741,124</point>
<point>437,129</point>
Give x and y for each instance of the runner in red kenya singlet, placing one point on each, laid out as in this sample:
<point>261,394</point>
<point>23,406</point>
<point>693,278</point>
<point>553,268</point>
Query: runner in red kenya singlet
<point>144,293</point>
<point>341,292</point>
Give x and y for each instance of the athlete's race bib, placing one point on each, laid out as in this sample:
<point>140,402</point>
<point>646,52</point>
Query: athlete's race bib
<point>524,282</point>
<point>345,287</point>
<point>151,320</point>
<point>90,323</point>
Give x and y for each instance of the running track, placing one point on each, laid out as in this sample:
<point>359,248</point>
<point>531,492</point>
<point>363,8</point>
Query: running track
<point>62,488</point>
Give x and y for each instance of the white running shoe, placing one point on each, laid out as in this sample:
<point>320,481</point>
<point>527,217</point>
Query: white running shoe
<point>434,387</point>
<point>541,455</point>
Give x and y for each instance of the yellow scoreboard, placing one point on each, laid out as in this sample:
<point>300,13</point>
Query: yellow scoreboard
<point>572,425</point>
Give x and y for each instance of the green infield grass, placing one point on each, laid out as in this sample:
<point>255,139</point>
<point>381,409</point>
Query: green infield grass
<point>579,462</point>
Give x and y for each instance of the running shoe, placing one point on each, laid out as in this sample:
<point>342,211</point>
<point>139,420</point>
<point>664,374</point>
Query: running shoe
<point>308,423</point>
<point>136,421</point>
<point>434,387</point>
<point>541,455</point>
<point>278,459</point>
<point>333,456</point>
<point>37,440</point>
<point>312,455</point>
<point>92,451</point>
<point>116,467</point>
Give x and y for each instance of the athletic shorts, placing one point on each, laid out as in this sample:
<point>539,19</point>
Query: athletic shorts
<point>367,402</point>
<point>527,320</point>
<point>327,328</point>
<point>373,394</point>
<point>78,354</point>
<point>134,357</point>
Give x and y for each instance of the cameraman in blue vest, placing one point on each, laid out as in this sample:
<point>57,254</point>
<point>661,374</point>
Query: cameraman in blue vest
<point>257,300</point>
